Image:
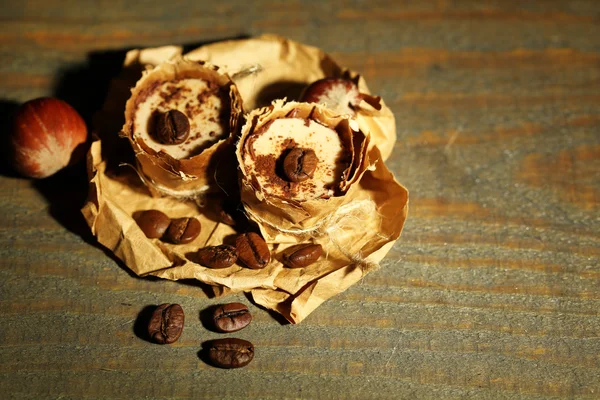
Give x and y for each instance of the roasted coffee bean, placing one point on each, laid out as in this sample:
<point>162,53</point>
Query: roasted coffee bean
<point>230,212</point>
<point>302,255</point>
<point>226,218</point>
<point>232,317</point>
<point>226,211</point>
<point>235,216</point>
<point>300,164</point>
<point>171,127</point>
<point>217,257</point>
<point>153,223</point>
<point>166,323</point>
<point>252,250</point>
<point>183,230</point>
<point>230,353</point>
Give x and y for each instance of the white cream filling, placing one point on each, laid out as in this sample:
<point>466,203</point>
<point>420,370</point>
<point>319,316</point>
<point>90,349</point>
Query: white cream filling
<point>205,127</point>
<point>324,141</point>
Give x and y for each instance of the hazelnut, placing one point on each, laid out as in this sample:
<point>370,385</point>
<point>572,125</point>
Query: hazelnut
<point>339,95</point>
<point>47,135</point>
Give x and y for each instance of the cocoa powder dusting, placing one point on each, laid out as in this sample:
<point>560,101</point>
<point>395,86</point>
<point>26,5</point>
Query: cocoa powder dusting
<point>172,93</point>
<point>189,110</point>
<point>266,166</point>
<point>146,92</point>
<point>287,144</point>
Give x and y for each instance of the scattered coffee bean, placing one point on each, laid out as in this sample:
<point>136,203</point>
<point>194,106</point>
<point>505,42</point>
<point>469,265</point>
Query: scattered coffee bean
<point>302,255</point>
<point>230,212</point>
<point>300,164</point>
<point>183,230</point>
<point>252,250</point>
<point>232,317</point>
<point>153,223</point>
<point>230,353</point>
<point>217,257</point>
<point>171,127</point>
<point>226,218</point>
<point>166,323</point>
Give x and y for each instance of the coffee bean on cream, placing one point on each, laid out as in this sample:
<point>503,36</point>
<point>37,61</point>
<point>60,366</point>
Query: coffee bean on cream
<point>172,158</point>
<point>270,145</point>
<point>279,202</point>
<point>203,103</point>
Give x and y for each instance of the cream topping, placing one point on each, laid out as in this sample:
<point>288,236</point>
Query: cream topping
<point>266,149</point>
<point>198,100</point>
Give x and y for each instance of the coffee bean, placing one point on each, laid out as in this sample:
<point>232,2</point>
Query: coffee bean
<point>300,164</point>
<point>302,255</point>
<point>171,127</point>
<point>153,223</point>
<point>183,230</point>
<point>230,353</point>
<point>232,317</point>
<point>217,257</point>
<point>166,323</point>
<point>226,218</point>
<point>252,250</point>
<point>230,212</point>
<point>227,211</point>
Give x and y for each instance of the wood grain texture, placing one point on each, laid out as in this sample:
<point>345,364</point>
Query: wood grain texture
<point>493,291</point>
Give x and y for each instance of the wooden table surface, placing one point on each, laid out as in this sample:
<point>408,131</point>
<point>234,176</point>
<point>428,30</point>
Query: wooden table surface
<point>493,290</point>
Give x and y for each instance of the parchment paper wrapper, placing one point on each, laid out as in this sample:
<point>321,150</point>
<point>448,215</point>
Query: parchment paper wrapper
<point>271,67</point>
<point>266,68</point>
<point>187,176</point>
<point>363,235</point>
<point>286,220</point>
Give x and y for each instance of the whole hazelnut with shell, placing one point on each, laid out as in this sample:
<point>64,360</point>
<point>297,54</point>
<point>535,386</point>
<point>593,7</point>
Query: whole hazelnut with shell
<point>47,135</point>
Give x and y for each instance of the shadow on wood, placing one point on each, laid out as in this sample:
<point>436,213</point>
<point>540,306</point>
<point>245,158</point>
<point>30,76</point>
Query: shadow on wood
<point>274,314</point>
<point>203,353</point>
<point>206,318</point>
<point>7,109</point>
<point>66,193</point>
<point>140,326</point>
<point>85,87</point>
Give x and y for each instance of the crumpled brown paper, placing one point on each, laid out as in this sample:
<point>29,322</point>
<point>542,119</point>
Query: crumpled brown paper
<point>360,238</point>
<point>270,67</point>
